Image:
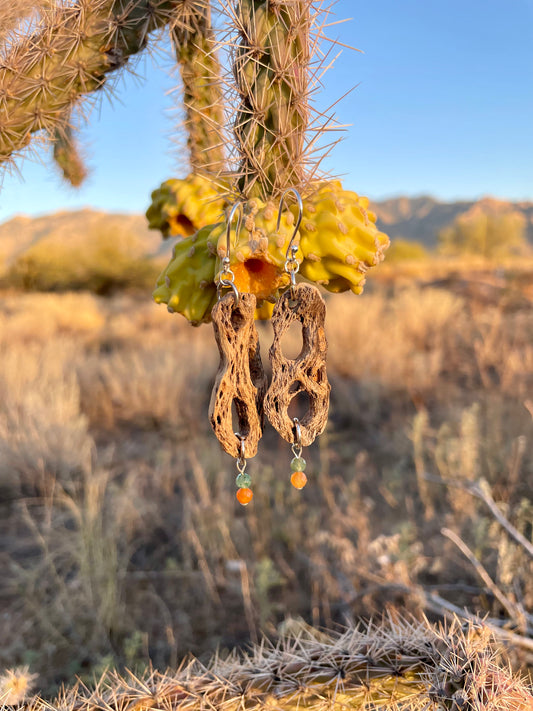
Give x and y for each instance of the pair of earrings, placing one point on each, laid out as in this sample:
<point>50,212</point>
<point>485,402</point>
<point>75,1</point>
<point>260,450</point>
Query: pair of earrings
<point>241,381</point>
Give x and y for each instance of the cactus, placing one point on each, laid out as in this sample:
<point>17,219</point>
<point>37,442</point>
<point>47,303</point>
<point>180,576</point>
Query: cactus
<point>43,74</point>
<point>12,14</point>
<point>202,89</point>
<point>187,285</point>
<point>258,251</point>
<point>400,665</point>
<point>339,239</point>
<point>271,73</point>
<point>180,207</point>
<point>67,155</point>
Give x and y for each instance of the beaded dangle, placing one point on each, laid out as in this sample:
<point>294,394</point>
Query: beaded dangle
<point>243,480</point>
<point>305,374</point>
<point>298,463</point>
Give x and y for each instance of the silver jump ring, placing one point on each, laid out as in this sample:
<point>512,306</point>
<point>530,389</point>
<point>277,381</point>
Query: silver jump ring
<point>241,462</point>
<point>298,431</point>
<point>297,445</point>
<point>229,284</point>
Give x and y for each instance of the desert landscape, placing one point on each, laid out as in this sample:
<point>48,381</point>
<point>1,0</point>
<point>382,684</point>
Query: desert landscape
<point>122,541</point>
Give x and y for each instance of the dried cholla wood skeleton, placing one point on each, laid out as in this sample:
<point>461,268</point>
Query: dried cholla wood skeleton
<point>240,378</point>
<point>307,372</point>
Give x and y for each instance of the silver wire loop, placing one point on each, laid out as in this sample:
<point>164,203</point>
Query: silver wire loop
<point>237,205</point>
<point>297,431</point>
<point>297,445</point>
<point>227,283</point>
<point>241,461</point>
<point>226,278</point>
<point>292,265</point>
<point>291,248</point>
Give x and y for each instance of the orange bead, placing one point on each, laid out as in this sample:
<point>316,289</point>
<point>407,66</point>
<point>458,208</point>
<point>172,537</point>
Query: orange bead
<point>298,480</point>
<point>244,496</point>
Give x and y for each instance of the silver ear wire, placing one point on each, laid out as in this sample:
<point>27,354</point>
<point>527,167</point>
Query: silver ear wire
<point>226,277</point>
<point>291,263</point>
<point>298,221</point>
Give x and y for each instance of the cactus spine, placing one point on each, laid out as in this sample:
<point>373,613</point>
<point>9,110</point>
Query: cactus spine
<point>202,89</point>
<point>403,665</point>
<point>271,72</point>
<point>43,74</point>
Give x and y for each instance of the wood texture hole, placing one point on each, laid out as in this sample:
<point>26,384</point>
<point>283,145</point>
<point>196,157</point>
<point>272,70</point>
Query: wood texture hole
<point>299,405</point>
<point>292,341</point>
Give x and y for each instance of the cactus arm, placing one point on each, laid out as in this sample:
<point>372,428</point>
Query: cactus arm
<point>77,46</point>
<point>408,665</point>
<point>67,155</point>
<point>202,89</point>
<point>271,72</point>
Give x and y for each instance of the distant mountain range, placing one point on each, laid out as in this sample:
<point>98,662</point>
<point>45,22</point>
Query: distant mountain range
<point>422,218</point>
<point>419,219</point>
<point>72,230</point>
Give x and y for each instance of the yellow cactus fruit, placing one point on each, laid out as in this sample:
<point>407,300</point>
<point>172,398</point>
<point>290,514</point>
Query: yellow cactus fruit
<point>339,239</point>
<point>265,311</point>
<point>187,285</point>
<point>180,207</point>
<point>258,252</point>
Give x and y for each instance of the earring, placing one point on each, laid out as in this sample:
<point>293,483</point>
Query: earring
<point>240,378</point>
<point>306,373</point>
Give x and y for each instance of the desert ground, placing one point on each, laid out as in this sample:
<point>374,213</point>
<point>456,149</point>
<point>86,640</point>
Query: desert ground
<point>121,541</point>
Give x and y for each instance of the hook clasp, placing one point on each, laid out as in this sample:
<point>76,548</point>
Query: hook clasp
<point>292,265</point>
<point>226,278</point>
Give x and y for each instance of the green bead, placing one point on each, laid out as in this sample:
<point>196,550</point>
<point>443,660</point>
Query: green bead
<point>243,480</point>
<point>298,464</point>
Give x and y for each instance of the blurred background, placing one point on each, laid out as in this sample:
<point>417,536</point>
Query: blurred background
<point>121,543</point>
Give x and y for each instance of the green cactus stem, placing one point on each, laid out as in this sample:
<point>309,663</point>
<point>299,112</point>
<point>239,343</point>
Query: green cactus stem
<point>44,73</point>
<point>199,67</point>
<point>271,72</point>
<point>67,155</point>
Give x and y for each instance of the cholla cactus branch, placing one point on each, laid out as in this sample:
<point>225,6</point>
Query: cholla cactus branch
<point>43,73</point>
<point>194,43</point>
<point>271,73</point>
<point>67,155</point>
<point>400,665</point>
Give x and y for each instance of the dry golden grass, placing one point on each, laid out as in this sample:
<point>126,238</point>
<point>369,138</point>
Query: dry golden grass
<point>121,538</point>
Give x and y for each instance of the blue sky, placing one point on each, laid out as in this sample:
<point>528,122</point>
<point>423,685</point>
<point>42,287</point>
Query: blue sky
<point>443,105</point>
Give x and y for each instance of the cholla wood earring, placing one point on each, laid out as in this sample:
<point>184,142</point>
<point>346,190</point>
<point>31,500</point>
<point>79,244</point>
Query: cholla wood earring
<point>240,378</point>
<point>306,373</point>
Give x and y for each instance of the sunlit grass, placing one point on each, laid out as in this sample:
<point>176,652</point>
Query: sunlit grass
<point>121,535</point>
